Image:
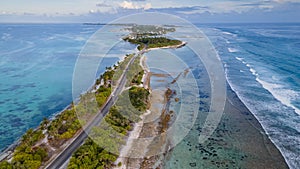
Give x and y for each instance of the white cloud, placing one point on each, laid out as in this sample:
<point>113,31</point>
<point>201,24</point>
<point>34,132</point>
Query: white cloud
<point>104,7</point>
<point>131,5</point>
<point>92,11</point>
<point>266,7</point>
<point>147,6</point>
<point>128,5</point>
<point>285,1</point>
<point>227,6</point>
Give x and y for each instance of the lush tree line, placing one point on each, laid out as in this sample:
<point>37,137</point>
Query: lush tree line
<point>30,154</point>
<point>137,79</point>
<point>107,76</point>
<point>139,97</point>
<point>91,156</point>
<point>120,123</point>
<point>102,94</point>
<point>150,29</point>
<point>26,155</point>
<point>63,127</point>
<point>153,42</point>
<point>119,69</point>
<point>135,73</point>
<point>110,134</point>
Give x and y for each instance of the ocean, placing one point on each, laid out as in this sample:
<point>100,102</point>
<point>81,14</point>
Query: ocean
<point>36,68</point>
<point>262,66</point>
<point>36,71</point>
<point>261,62</point>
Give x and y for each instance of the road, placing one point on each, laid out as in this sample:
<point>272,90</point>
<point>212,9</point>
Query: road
<point>61,158</point>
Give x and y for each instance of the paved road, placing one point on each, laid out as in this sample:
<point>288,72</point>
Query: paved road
<point>68,151</point>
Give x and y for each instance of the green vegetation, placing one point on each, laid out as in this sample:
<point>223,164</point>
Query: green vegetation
<point>150,36</point>
<point>139,97</point>
<point>121,66</point>
<point>150,30</point>
<point>26,155</point>
<point>31,152</point>
<point>135,73</point>
<point>117,121</point>
<point>91,156</point>
<point>63,127</point>
<point>137,79</point>
<point>102,94</point>
<point>152,42</point>
<point>111,131</point>
<point>107,76</point>
<point>109,135</point>
<point>36,146</point>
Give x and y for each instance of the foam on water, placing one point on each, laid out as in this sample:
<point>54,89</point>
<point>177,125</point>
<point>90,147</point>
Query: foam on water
<point>253,72</point>
<point>271,86</point>
<point>228,33</point>
<point>285,96</point>
<point>232,50</point>
<point>240,59</point>
<point>283,141</point>
<point>280,92</point>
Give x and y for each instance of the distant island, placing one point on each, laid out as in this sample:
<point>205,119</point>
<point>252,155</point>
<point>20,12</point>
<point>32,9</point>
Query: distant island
<point>150,36</point>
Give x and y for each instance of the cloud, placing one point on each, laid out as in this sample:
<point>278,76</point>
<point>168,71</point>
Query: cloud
<point>223,7</point>
<point>285,1</point>
<point>183,10</point>
<point>132,5</point>
<point>104,7</point>
<point>103,4</point>
<point>213,11</point>
<point>147,6</point>
<point>128,5</point>
<point>92,11</point>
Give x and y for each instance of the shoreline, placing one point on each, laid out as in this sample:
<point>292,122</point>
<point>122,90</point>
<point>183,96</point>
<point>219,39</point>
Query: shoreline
<point>232,101</point>
<point>254,141</point>
<point>259,124</point>
<point>148,126</point>
<point>272,153</point>
<point>238,142</point>
<point>138,127</point>
<point>7,152</point>
<point>168,47</point>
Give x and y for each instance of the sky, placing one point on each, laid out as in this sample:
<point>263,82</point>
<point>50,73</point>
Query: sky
<point>103,11</point>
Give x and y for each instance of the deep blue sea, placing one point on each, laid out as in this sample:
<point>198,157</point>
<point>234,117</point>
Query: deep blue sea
<point>262,64</point>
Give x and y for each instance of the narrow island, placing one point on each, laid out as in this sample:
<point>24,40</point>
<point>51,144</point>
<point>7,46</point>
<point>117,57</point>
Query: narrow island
<point>40,146</point>
<point>110,143</point>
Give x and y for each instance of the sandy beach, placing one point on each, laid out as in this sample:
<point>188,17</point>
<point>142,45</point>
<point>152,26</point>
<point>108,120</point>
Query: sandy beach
<point>139,149</point>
